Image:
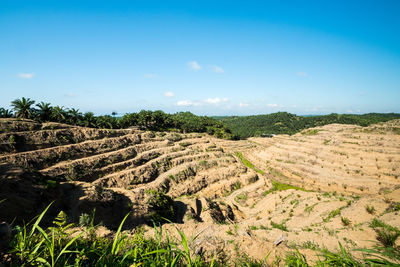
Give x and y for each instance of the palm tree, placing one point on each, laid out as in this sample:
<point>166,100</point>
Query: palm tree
<point>74,115</point>
<point>5,113</point>
<point>22,107</point>
<point>59,114</point>
<point>89,120</point>
<point>45,111</point>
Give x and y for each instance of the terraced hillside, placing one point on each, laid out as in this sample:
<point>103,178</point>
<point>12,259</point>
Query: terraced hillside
<point>311,189</point>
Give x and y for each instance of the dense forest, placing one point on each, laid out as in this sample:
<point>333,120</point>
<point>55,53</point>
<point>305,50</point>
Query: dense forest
<point>231,127</point>
<point>147,120</point>
<point>286,123</point>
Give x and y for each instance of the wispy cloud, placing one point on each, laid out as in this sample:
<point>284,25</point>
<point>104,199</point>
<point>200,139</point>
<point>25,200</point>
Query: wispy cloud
<point>215,100</point>
<point>243,104</point>
<point>194,65</point>
<point>150,76</point>
<point>217,69</point>
<point>26,75</point>
<point>169,94</point>
<point>301,74</point>
<point>273,105</point>
<point>208,101</point>
<point>185,103</point>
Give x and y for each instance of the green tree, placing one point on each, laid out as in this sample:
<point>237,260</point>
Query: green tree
<point>59,114</point>
<point>5,113</point>
<point>22,107</point>
<point>74,116</point>
<point>128,120</point>
<point>106,121</point>
<point>89,120</point>
<point>44,111</point>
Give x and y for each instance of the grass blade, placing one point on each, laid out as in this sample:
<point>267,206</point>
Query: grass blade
<point>115,246</point>
<point>38,220</point>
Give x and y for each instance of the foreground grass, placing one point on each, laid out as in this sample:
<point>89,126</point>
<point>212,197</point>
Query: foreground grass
<point>58,245</point>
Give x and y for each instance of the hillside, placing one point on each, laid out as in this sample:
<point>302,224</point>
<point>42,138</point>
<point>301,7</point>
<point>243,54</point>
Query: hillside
<point>316,188</point>
<point>286,123</point>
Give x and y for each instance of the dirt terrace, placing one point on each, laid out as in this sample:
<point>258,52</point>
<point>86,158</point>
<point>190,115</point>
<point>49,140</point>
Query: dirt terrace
<point>336,171</point>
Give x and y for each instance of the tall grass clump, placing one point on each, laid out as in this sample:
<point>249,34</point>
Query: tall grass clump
<point>63,245</point>
<point>386,233</point>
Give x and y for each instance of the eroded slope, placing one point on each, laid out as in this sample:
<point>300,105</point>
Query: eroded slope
<point>312,188</point>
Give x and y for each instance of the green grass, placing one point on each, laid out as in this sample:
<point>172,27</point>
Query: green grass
<point>370,209</point>
<point>247,163</point>
<point>311,132</point>
<point>60,245</point>
<point>386,233</point>
<point>277,186</point>
<point>345,221</point>
<point>241,197</point>
<point>334,213</point>
<point>308,209</point>
<point>280,226</point>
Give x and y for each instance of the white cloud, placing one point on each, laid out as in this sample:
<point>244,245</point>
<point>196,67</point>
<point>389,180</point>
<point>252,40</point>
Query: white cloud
<point>26,75</point>
<point>272,105</point>
<point>217,69</point>
<point>215,100</point>
<point>185,103</point>
<point>302,74</point>
<point>243,105</point>
<point>169,94</point>
<point>208,101</point>
<point>150,76</point>
<point>194,65</point>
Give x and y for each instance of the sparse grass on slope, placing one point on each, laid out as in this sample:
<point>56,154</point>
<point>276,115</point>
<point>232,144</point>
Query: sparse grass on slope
<point>276,186</point>
<point>248,163</point>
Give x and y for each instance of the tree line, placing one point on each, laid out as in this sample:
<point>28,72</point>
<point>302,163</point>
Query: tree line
<point>287,123</point>
<point>158,120</point>
<point>231,127</point>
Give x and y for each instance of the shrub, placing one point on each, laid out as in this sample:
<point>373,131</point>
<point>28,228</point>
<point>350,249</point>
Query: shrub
<point>162,207</point>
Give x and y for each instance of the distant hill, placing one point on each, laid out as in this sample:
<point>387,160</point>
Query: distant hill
<point>287,123</point>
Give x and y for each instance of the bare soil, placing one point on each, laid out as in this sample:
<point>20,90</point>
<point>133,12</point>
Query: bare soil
<point>222,205</point>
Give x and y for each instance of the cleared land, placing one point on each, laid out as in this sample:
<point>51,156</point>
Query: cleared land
<point>316,188</point>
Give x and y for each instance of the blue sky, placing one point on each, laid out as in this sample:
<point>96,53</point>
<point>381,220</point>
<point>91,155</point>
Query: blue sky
<point>208,57</point>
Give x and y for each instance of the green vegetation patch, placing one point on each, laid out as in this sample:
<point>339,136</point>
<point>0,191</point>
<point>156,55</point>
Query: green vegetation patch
<point>311,132</point>
<point>162,207</point>
<point>334,213</point>
<point>386,233</point>
<point>248,163</point>
<point>277,186</point>
<point>33,245</point>
<point>280,226</point>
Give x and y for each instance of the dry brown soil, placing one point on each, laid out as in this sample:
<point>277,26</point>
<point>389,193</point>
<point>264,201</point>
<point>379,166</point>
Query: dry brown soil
<point>223,206</point>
